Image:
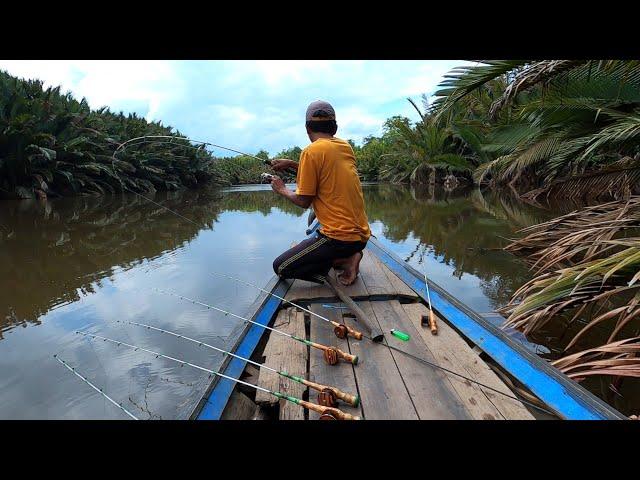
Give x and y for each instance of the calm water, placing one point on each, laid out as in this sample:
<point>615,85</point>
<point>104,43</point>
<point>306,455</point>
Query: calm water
<point>90,263</point>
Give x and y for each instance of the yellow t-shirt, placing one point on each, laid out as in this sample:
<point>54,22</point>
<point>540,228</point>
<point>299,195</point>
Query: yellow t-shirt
<point>327,170</point>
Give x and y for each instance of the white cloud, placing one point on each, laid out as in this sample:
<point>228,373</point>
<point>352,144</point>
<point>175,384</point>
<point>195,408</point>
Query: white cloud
<point>111,83</point>
<point>234,117</point>
<point>426,75</point>
<point>285,72</point>
<point>247,105</point>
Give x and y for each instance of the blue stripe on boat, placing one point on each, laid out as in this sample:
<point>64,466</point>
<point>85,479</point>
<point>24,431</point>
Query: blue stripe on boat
<point>219,396</point>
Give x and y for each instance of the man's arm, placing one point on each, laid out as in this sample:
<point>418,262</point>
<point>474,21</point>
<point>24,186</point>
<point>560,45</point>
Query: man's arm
<point>280,188</point>
<point>282,164</point>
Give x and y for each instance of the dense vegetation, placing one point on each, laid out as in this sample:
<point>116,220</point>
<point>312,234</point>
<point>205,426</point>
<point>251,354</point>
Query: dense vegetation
<point>546,130</point>
<point>567,128</point>
<point>537,127</point>
<point>243,169</point>
<point>52,144</point>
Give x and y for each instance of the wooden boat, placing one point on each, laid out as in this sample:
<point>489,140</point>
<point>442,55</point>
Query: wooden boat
<point>392,385</point>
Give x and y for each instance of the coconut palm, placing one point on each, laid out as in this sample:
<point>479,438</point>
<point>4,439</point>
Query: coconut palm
<point>554,120</point>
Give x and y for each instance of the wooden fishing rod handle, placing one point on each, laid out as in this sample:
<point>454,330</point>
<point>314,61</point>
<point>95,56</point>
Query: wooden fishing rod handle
<point>353,400</point>
<point>340,415</point>
<point>335,412</point>
<point>353,359</point>
<point>331,354</point>
<point>432,323</point>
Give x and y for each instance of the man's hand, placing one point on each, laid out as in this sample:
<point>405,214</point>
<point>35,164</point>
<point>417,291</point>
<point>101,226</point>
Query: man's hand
<point>278,185</point>
<point>280,188</point>
<point>282,164</point>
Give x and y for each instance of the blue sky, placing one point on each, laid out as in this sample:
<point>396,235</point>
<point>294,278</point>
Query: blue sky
<point>246,105</point>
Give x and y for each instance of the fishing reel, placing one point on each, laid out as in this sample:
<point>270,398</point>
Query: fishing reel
<point>327,416</point>
<point>340,331</point>
<point>327,398</point>
<point>330,356</point>
<point>267,177</point>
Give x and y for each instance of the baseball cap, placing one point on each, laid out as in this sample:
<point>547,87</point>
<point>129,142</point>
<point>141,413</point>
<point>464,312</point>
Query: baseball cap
<point>320,111</point>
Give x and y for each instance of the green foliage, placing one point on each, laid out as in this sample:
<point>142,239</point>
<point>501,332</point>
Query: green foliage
<point>51,143</point>
<point>554,118</point>
<point>405,148</point>
<point>243,169</point>
<point>524,123</point>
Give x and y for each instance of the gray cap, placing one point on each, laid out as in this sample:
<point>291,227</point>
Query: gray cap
<point>320,110</point>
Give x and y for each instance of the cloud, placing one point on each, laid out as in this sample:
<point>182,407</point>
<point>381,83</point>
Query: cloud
<point>246,105</point>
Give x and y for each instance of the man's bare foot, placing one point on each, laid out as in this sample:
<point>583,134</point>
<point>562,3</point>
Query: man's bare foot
<point>350,268</point>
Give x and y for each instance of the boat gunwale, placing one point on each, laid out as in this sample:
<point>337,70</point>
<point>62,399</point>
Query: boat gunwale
<point>220,389</point>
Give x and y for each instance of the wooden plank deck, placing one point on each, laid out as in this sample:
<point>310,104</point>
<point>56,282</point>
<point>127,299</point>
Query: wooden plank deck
<point>283,354</point>
<point>391,385</point>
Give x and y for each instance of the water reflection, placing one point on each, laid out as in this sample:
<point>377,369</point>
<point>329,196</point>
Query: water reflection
<point>84,263</point>
<point>457,235</point>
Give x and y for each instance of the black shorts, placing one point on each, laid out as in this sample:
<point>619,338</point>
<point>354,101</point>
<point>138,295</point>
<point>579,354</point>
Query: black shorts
<point>312,258</point>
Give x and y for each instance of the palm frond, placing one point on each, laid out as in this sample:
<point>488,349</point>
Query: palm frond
<point>533,74</point>
<point>461,81</point>
<point>618,359</point>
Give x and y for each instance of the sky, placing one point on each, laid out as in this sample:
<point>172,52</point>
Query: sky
<point>246,105</point>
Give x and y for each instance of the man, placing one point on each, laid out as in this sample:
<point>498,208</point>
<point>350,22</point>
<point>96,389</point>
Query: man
<point>328,180</point>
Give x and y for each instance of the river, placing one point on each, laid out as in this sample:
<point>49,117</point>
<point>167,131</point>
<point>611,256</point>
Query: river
<point>93,264</point>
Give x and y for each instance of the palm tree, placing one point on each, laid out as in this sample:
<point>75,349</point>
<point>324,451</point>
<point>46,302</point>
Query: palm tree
<point>433,145</point>
<point>555,119</point>
<point>53,144</point>
<point>568,128</point>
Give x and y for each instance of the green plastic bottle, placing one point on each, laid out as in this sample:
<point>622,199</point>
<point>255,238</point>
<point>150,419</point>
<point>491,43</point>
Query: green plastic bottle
<point>401,335</point>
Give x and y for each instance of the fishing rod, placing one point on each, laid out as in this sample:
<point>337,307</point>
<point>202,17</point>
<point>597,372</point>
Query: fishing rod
<point>480,384</point>
<point>99,390</point>
<point>327,396</point>
<point>431,321</point>
<point>143,139</point>
<point>325,412</point>
<point>421,360</point>
<point>341,330</point>
<point>172,137</point>
<point>330,354</point>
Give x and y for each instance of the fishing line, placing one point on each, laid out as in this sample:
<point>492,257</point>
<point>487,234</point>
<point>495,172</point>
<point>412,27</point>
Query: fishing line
<point>144,140</point>
<point>182,362</point>
<point>426,362</point>
<point>331,354</point>
<point>353,400</point>
<point>312,406</point>
<point>99,390</point>
<point>355,334</point>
